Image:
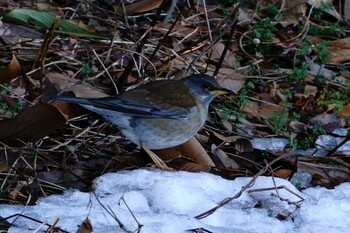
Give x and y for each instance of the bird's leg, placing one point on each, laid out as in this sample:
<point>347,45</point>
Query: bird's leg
<point>158,161</point>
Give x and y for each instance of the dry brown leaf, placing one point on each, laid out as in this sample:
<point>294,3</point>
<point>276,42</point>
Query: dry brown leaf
<point>142,6</point>
<point>262,109</point>
<point>326,119</point>
<point>191,149</point>
<point>177,30</point>
<point>225,160</point>
<point>230,79</point>
<point>225,138</point>
<point>68,110</point>
<point>345,111</point>
<point>292,12</point>
<point>227,126</point>
<point>283,173</point>
<point>326,175</point>
<point>15,195</point>
<point>340,51</point>
<point>31,124</point>
<point>46,6</point>
<point>298,127</point>
<point>193,167</point>
<point>85,227</point>
<point>217,51</point>
<point>61,83</point>
<point>11,71</point>
<point>3,165</point>
<point>243,145</point>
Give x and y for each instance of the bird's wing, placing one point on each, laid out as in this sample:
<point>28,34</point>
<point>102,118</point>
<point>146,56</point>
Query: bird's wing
<point>153,99</point>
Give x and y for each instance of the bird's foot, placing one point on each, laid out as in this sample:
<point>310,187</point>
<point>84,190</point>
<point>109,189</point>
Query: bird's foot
<point>159,163</point>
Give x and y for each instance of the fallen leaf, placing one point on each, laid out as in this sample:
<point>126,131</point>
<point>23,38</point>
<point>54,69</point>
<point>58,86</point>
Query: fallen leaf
<point>224,158</point>
<point>85,227</point>
<point>31,124</point>
<point>11,71</point>
<point>142,6</point>
<point>229,59</point>
<point>226,138</point>
<point>262,109</point>
<point>194,167</point>
<point>243,145</point>
<point>340,51</point>
<point>345,111</point>
<point>292,12</point>
<point>283,173</point>
<point>191,149</point>
<point>61,83</point>
<point>230,79</point>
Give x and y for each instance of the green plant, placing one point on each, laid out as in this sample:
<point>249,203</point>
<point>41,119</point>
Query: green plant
<point>18,106</point>
<point>334,29</point>
<point>4,106</point>
<point>225,13</point>
<point>305,49</point>
<point>287,92</point>
<point>278,120</point>
<point>225,111</point>
<point>5,87</point>
<point>264,30</point>
<point>299,73</point>
<point>85,69</point>
<point>270,213</point>
<point>33,154</point>
<point>306,139</point>
<point>323,52</point>
<point>253,69</point>
<point>320,79</point>
<point>237,105</point>
<point>317,129</point>
<point>274,13</point>
<point>297,184</point>
<point>239,60</point>
<point>243,97</point>
<point>318,12</point>
<point>337,98</point>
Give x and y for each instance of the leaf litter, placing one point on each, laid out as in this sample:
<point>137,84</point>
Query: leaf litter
<point>288,64</point>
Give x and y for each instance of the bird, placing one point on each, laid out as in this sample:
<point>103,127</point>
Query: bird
<point>158,114</point>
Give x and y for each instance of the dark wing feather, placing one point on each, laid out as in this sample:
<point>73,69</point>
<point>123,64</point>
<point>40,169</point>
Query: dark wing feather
<point>158,99</point>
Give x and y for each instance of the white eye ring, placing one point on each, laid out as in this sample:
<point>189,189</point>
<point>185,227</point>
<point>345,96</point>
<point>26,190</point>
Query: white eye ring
<point>206,86</point>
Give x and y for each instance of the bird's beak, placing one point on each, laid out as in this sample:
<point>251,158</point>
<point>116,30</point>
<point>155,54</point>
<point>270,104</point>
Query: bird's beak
<point>222,91</point>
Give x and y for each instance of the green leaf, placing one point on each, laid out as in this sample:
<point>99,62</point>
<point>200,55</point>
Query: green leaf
<point>44,20</point>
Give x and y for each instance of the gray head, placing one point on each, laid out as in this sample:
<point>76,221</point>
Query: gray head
<point>204,87</point>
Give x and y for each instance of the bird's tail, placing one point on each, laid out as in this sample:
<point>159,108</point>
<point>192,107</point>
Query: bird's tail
<point>73,100</point>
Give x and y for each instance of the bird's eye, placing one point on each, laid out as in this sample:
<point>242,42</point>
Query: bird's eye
<point>206,86</point>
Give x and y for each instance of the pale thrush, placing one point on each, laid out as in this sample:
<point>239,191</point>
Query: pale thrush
<point>158,114</point>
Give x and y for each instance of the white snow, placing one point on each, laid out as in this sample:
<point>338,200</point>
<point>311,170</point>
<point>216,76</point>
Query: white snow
<point>168,202</point>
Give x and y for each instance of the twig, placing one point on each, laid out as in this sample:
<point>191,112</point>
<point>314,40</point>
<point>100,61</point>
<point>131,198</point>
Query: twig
<point>338,146</point>
<point>244,188</point>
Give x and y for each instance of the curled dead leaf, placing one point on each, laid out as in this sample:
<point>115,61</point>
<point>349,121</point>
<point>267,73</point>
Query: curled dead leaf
<point>191,149</point>
<point>224,158</point>
<point>11,71</point>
